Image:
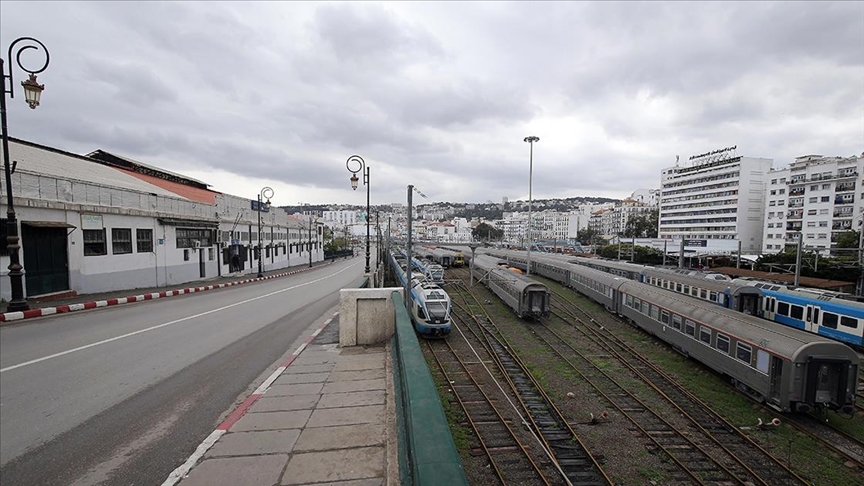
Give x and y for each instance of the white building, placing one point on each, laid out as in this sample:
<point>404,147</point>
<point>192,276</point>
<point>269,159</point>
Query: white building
<point>815,198</point>
<point>648,197</point>
<point>106,222</point>
<point>715,196</point>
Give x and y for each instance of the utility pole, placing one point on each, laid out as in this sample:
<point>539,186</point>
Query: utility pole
<point>798,259</point>
<point>681,254</point>
<point>408,251</point>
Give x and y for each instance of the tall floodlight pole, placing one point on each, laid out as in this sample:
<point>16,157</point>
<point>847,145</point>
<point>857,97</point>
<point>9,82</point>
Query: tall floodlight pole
<point>530,139</point>
<point>265,193</point>
<point>32,94</point>
<point>354,179</point>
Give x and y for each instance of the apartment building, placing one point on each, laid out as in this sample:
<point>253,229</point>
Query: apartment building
<point>817,198</point>
<point>718,195</point>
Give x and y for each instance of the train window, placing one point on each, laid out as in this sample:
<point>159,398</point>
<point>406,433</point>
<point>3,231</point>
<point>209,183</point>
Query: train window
<point>664,317</point>
<point>645,306</point>
<point>797,312</point>
<point>420,313</point>
<point>637,304</point>
<point>686,289</point>
<point>655,313</point>
<point>723,343</point>
<point>721,299</point>
<point>694,292</point>
<point>689,327</point>
<point>629,301</point>
<point>829,320</point>
<point>712,296</point>
<point>678,287</point>
<point>703,293</point>
<point>676,322</point>
<point>705,335</point>
<point>743,352</point>
<point>849,322</point>
<point>816,314</point>
<point>783,308</point>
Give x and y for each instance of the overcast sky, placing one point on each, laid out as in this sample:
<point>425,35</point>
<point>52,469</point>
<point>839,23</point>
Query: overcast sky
<point>440,94</point>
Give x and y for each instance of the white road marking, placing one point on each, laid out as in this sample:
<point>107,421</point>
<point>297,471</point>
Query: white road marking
<point>187,466</point>
<point>153,328</point>
<point>269,381</point>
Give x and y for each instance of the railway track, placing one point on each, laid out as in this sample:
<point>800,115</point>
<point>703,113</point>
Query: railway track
<point>733,453</point>
<point>553,433</point>
<point>849,448</point>
<point>510,459</point>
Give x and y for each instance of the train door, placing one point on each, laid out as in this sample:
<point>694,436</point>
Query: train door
<point>776,385</point>
<point>827,381</point>
<point>811,319</point>
<point>748,303</point>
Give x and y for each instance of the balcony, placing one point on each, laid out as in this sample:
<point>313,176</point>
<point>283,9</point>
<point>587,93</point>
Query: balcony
<point>844,187</point>
<point>843,200</point>
<point>796,205</point>
<point>798,191</point>
<point>843,214</point>
<point>842,226</point>
<point>795,216</point>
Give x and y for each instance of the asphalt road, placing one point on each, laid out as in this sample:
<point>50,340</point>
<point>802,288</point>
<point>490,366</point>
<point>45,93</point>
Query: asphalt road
<point>123,395</point>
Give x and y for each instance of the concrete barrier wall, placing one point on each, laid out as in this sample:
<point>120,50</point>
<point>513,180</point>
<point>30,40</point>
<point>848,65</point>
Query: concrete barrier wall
<point>429,456</point>
<point>366,316</point>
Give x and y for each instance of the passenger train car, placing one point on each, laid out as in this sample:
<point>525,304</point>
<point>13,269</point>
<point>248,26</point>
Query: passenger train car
<point>526,297</point>
<point>821,313</point>
<point>788,369</point>
<point>432,271</point>
<point>430,305</point>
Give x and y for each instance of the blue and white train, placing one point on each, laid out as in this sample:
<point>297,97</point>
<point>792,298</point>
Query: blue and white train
<point>430,305</point>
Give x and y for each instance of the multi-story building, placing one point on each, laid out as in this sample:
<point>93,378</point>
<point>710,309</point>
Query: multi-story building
<point>338,219</point>
<point>649,197</point>
<point>814,199</point>
<point>716,196</point>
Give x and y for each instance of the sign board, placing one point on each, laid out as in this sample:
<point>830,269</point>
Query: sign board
<point>160,241</point>
<point>91,222</point>
<point>264,207</point>
<point>701,243</point>
<point>235,241</point>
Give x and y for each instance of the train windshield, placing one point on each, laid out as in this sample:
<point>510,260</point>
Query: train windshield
<point>437,310</point>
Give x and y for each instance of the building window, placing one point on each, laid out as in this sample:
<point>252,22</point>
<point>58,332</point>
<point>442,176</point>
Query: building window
<point>94,242</point>
<point>186,255</point>
<point>144,240</point>
<point>211,254</point>
<point>121,241</point>
<point>825,199</point>
<point>186,237</point>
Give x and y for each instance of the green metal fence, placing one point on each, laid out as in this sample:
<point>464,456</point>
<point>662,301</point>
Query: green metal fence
<point>427,455</point>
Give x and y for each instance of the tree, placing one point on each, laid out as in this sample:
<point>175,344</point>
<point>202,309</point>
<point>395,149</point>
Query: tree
<point>848,239</point>
<point>484,231</point>
<point>589,236</point>
<point>642,225</point>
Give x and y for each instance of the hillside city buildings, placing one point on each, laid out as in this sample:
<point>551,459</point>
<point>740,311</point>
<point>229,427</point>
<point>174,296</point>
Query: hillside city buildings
<point>102,221</point>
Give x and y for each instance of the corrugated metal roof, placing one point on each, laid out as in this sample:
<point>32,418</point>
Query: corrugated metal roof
<point>182,190</point>
<point>98,154</point>
<point>47,161</point>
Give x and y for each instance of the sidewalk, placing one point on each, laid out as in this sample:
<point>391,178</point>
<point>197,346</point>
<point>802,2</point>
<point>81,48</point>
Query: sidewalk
<point>56,305</point>
<point>328,418</point>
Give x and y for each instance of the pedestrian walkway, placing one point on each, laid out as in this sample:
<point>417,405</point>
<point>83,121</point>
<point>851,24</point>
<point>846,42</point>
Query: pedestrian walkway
<point>327,418</point>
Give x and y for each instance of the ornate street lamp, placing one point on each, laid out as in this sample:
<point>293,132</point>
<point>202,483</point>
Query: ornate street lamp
<point>265,193</point>
<point>32,94</point>
<point>530,139</point>
<point>354,180</point>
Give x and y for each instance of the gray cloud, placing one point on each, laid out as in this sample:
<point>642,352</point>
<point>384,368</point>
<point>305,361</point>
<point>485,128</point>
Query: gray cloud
<point>441,94</point>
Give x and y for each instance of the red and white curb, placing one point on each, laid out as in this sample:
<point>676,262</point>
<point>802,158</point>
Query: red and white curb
<point>240,411</point>
<point>62,309</point>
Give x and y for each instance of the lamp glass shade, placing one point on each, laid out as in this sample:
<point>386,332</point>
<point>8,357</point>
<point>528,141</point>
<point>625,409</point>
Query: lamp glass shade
<point>354,180</point>
<point>32,91</point>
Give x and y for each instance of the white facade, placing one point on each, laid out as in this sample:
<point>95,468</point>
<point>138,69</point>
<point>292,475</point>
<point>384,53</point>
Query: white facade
<point>649,197</point>
<point>715,198</point>
<point>97,228</point>
<point>816,198</point>
<point>338,219</point>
